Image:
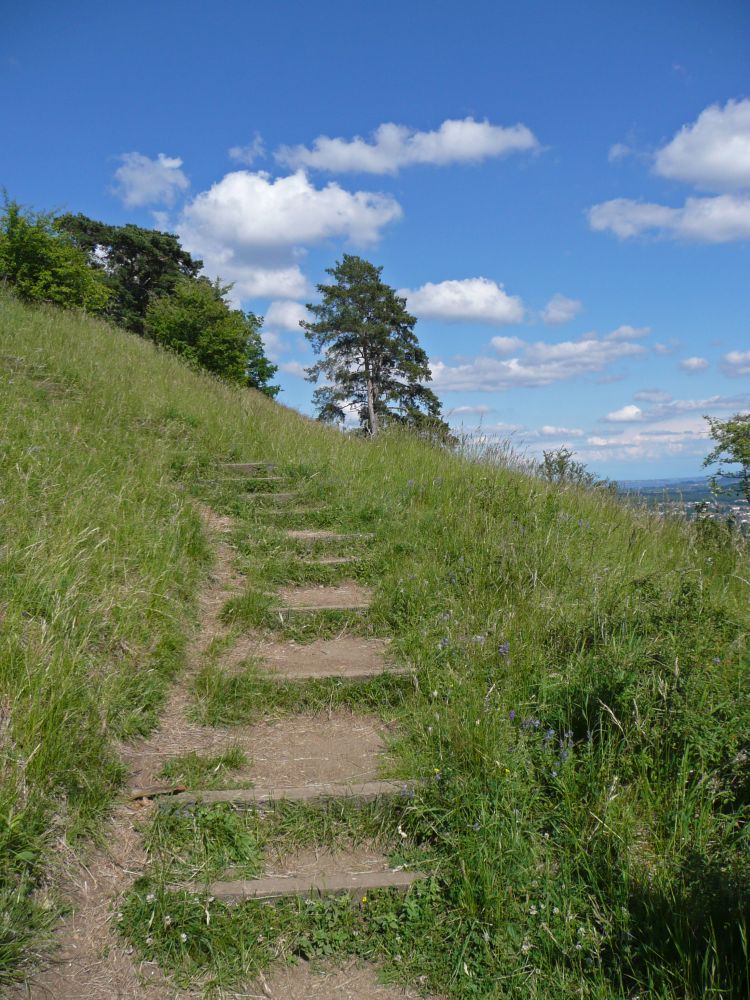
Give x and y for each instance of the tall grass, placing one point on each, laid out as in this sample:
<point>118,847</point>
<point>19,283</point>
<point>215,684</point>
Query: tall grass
<point>581,714</point>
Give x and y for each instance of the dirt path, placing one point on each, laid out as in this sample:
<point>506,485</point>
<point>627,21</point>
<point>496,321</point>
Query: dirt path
<point>92,962</point>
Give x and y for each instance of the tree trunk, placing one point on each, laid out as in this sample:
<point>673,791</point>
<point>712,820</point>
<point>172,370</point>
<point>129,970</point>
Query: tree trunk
<point>371,414</point>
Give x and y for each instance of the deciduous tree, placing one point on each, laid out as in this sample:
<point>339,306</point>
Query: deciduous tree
<point>43,265</point>
<point>732,439</point>
<point>195,321</point>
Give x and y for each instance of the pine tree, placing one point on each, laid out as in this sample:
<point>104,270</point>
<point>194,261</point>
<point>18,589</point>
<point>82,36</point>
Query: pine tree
<point>371,359</point>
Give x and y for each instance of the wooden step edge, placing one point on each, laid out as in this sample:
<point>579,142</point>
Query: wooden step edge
<point>355,884</point>
<point>248,466</point>
<point>278,497</point>
<point>154,791</point>
<point>358,607</point>
<point>324,534</point>
<point>347,674</point>
<point>244,480</point>
<point>248,798</point>
<point>331,561</point>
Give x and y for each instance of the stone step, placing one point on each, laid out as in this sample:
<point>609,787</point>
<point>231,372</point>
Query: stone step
<point>354,884</point>
<point>346,597</point>
<point>313,794</point>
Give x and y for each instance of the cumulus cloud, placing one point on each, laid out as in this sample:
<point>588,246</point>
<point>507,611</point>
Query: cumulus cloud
<point>254,150</point>
<point>252,229</point>
<point>506,345</point>
<point>672,427</point>
<point>694,365</point>
<point>143,181</point>
<point>539,364</point>
<point>627,414</point>
<point>723,219</point>
<point>478,300</point>
<point>638,442</point>
<point>286,315</point>
<point>736,364</point>
<point>394,146</point>
<point>253,209</point>
<point>713,153</point>
<point>561,309</point>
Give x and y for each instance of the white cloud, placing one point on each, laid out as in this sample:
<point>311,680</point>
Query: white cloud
<point>652,396</point>
<point>286,315</point>
<point>541,363</point>
<point>458,411</point>
<point>627,414</point>
<point>713,153</point>
<point>143,181</point>
<point>293,368</point>
<point>251,229</point>
<point>506,345</point>
<point>252,209</point>
<point>736,364</point>
<point>254,150</point>
<point>548,430</point>
<point>561,309</point>
<point>627,332</point>
<point>666,349</point>
<point>469,299</point>
<point>618,151</point>
<point>723,219</point>
<point>681,435</point>
<point>395,146</point>
<point>694,365</point>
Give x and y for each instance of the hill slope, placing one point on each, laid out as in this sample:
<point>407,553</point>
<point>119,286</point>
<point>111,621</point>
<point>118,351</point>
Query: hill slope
<point>579,719</point>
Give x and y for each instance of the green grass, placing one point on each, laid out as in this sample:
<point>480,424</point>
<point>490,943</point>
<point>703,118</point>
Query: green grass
<point>582,699</point>
<point>194,770</point>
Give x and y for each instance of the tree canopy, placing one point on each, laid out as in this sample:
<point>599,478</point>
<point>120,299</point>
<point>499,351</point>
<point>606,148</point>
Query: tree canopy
<point>371,360</point>
<point>45,266</point>
<point>733,446</point>
<point>138,265</point>
<point>195,320</point>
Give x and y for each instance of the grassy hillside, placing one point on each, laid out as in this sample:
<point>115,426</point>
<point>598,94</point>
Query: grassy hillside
<point>581,718</point>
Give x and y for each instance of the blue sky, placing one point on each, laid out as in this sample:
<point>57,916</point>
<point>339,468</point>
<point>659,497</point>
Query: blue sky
<point>562,191</point>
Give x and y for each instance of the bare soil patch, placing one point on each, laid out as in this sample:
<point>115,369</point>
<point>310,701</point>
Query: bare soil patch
<point>307,749</point>
<point>343,595</point>
<point>352,981</point>
<point>347,656</point>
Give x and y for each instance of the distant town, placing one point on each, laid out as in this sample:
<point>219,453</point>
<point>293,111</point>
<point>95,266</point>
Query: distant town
<point>701,496</point>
